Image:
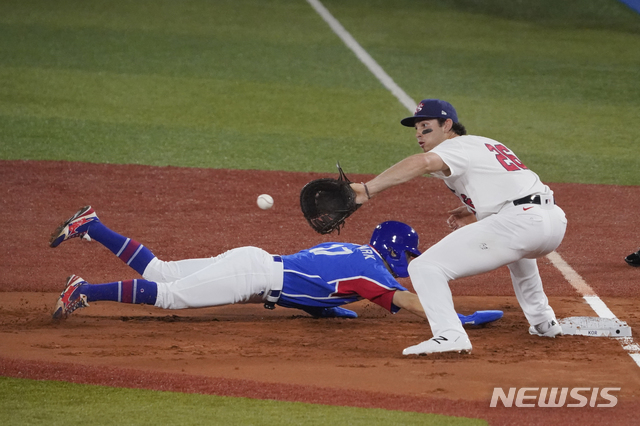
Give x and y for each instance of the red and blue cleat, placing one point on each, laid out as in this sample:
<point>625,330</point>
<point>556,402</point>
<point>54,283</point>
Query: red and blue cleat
<point>71,298</point>
<point>76,226</point>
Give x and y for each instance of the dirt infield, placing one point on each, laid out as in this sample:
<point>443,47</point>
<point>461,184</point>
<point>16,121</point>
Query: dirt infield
<point>246,350</point>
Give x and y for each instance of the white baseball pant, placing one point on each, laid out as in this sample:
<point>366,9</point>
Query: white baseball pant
<point>241,275</point>
<point>515,237</point>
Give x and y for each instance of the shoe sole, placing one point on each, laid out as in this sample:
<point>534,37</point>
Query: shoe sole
<point>552,336</point>
<point>452,351</point>
<point>53,243</point>
<point>464,347</point>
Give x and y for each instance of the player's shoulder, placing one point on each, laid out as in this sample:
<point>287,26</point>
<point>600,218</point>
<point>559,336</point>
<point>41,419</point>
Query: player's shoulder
<point>471,142</point>
<point>339,246</point>
<point>473,139</point>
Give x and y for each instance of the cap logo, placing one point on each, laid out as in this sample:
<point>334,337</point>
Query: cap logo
<point>443,112</point>
<point>419,108</point>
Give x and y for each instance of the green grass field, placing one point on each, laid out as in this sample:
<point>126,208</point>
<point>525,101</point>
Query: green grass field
<point>252,84</point>
<point>255,85</point>
<point>29,402</point>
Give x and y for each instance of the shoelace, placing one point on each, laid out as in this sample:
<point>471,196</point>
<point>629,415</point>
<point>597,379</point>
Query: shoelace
<point>80,302</point>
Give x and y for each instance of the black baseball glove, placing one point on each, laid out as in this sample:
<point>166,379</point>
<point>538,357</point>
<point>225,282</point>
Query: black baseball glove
<point>326,203</point>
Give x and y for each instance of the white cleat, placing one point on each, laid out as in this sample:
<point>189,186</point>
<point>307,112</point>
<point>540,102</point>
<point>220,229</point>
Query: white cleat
<point>550,328</point>
<point>447,342</point>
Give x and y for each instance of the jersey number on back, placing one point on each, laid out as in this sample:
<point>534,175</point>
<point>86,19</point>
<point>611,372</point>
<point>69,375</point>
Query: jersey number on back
<point>333,250</point>
<point>507,158</point>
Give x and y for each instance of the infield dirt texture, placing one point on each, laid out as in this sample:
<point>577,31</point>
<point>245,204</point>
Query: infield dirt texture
<point>165,115</point>
<point>246,350</point>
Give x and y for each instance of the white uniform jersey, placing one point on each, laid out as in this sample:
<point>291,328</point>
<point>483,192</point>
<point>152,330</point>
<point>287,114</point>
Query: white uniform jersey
<point>485,174</point>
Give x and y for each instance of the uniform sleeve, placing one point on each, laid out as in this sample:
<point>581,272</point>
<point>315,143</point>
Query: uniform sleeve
<point>375,284</point>
<point>453,155</point>
<point>370,290</point>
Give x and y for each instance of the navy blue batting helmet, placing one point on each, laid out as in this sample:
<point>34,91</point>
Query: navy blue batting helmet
<point>395,241</point>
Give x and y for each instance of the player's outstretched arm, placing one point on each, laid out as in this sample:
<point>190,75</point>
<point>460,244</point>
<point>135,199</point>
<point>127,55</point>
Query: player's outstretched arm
<point>401,172</point>
<point>409,301</point>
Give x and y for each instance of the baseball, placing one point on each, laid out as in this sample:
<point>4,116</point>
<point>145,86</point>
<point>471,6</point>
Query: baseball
<point>265,201</point>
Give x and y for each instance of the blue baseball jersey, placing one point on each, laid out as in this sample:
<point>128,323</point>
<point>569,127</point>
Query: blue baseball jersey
<point>334,274</point>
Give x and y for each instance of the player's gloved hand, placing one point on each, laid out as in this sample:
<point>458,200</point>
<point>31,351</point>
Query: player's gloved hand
<point>480,317</point>
<point>335,312</point>
<point>326,203</point>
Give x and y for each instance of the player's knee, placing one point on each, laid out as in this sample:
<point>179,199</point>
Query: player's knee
<point>157,270</point>
<point>423,272</point>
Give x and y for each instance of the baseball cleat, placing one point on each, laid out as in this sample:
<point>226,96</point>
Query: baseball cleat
<point>447,342</point>
<point>71,298</point>
<point>633,259</point>
<point>550,328</point>
<point>75,226</point>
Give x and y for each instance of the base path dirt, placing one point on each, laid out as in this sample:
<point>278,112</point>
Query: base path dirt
<point>246,350</point>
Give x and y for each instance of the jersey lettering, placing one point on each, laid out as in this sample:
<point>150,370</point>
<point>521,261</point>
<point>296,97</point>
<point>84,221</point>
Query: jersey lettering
<point>507,159</point>
<point>333,250</point>
<point>367,252</point>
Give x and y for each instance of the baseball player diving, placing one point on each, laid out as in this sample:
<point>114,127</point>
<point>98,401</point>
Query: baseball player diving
<point>513,215</point>
<point>317,280</point>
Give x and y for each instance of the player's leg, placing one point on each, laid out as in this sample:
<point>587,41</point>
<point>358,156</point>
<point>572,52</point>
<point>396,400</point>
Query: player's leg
<point>473,249</point>
<point>174,270</point>
<point>241,275</point>
<point>544,229</point>
<point>527,285</point>
<point>430,275</point>
<point>78,293</point>
<point>480,247</point>
<point>86,224</point>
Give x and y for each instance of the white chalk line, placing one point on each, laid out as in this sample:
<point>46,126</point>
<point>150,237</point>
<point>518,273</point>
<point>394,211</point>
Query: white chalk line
<point>576,281</point>
<point>364,57</point>
<point>590,296</point>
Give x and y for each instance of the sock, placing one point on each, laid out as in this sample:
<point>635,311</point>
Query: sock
<point>129,251</point>
<point>129,291</point>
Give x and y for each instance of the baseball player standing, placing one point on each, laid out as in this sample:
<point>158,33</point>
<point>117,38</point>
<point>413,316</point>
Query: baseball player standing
<point>516,221</point>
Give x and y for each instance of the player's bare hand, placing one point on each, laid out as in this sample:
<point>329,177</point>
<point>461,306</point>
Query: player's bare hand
<point>460,217</point>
